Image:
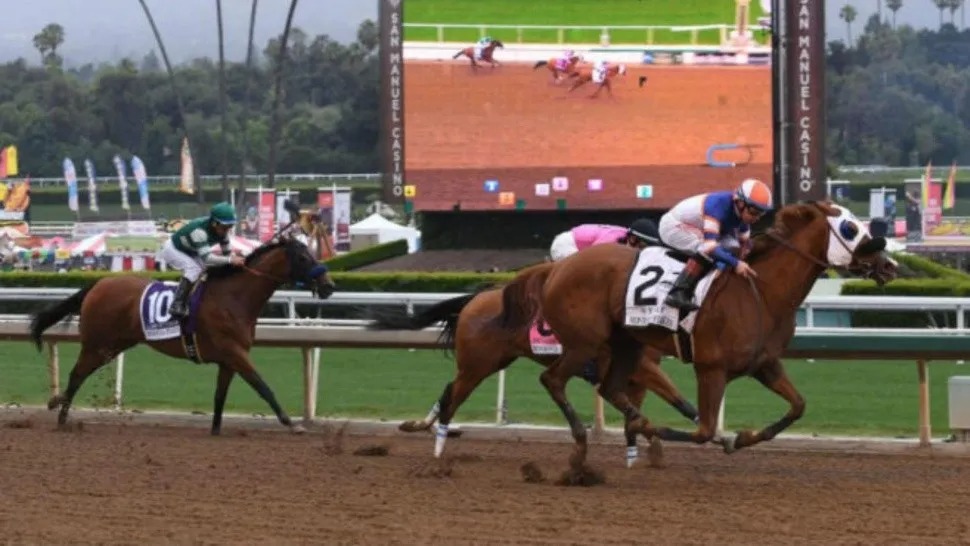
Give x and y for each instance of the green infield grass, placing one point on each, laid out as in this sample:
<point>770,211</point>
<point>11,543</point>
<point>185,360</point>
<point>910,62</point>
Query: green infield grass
<point>597,13</point>
<point>844,397</point>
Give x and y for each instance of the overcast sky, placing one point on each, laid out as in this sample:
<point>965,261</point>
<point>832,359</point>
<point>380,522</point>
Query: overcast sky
<point>106,30</point>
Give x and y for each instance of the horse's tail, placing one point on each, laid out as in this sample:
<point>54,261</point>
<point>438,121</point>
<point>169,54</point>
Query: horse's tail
<point>540,63</point>
<point>46,318</point>
<point>446,311</point>
<point>520,298</point>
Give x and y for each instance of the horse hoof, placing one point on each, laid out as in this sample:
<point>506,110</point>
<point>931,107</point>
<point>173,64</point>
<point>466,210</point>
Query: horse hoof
<point>727,443</point>
<point>298,429</point>
<point>413,426</point>
<point>53,403</point>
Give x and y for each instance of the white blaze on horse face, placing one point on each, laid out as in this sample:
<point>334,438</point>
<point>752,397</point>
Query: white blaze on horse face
<point>846,234</point>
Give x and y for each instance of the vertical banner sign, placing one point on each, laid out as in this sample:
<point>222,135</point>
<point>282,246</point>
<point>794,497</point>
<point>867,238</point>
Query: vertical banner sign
<point>141,177</point>
<point>92,189</point>
<point>122,181</point>
<point>341,219</point>
<point>267,215</point>
<point>70,177</point>
<point>187,180</point>
<point>392,98</point>
<point>805,68</point>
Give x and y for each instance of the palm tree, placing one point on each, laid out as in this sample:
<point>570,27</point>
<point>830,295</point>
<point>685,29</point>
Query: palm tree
<point>848,14</point>
<point>953,6</point>
<point>894,6</point>
<point>48,40</point>
<point>241,189</point>
<point>175,90</point>
<point>274,130</point>
<point>222,105</point>
<point>941,5</point>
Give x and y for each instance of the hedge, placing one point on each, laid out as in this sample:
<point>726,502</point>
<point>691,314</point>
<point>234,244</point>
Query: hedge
<point>367,256</point>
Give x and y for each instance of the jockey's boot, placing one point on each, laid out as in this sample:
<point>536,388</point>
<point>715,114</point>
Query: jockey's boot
<point>179,307</point>
<point>681,295</point>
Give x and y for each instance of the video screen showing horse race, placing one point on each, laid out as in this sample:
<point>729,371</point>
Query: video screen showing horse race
<point>220,324</point>
<point>581,117</point>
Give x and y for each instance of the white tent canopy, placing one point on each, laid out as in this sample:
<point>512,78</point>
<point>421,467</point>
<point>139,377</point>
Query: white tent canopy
<point>386,231</point>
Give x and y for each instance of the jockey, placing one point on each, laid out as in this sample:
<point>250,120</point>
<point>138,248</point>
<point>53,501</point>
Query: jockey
<point>705,226</point>
<point>599,71</point>
<point>567,56</point>
<point>641,233</point>
<point>481,44</point>
<point>190,249</point>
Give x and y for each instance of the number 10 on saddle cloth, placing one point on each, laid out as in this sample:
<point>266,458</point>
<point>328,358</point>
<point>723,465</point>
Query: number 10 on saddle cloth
<point>650,281</point>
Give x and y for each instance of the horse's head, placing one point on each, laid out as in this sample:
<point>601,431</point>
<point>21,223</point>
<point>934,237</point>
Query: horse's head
<point>840,239</point>
<point>497,43</point>
<point>288,258</point>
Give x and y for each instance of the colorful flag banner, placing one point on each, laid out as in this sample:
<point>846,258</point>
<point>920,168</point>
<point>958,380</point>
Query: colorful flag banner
<point>70,176</point>
<point>141,177</point>
<point>187,181</point>
<point>949,194</point>
<point>92,189</point>
<point>122,181</point>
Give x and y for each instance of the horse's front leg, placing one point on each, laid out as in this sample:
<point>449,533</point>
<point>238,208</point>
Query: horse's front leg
<point>711,382</point>
<point>772,375</point>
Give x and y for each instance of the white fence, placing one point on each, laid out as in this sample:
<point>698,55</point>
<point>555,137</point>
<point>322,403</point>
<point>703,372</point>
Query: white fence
<point>211,179</point>
<point>607,33</point>
<point>309,335</point>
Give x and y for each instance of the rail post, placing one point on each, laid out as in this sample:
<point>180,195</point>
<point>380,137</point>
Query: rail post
<point>54,368</point>
<point>119,379</point>
<point>925,431</point>
<point>308,409</point>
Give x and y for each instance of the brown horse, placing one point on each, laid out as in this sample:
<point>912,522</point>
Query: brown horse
<point>741,329</point>
<point>111,320</point>
<point>486,54</point>
<point>555,67</point>
<point>585,76</point>
<point>483,348</point>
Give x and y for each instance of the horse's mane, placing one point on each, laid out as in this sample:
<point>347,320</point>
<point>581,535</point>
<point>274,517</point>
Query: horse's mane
<point>787,220</point>
<point>225,271</point>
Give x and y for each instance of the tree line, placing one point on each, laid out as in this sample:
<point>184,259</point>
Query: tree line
<point>329,110</point>
<point>899,97</point>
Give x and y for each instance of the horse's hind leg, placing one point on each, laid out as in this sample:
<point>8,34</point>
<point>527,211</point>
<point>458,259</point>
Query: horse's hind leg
<point>219,403</point>
<point>247,371</point>
<point>772,375</point>
<point>554,379</point>
<point>468,379</point>
<point>87,363</point>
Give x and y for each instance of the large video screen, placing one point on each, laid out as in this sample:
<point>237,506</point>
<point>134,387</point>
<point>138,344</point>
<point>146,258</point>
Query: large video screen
<point>538,128</point>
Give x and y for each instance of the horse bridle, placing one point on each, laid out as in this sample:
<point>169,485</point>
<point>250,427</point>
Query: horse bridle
<point>823,264</point>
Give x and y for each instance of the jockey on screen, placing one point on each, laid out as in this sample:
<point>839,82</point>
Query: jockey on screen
<point>481,45</point>
<point>641,233</point>
<point>599,71</point>
<point>705,226</point>
<point>190,250</point>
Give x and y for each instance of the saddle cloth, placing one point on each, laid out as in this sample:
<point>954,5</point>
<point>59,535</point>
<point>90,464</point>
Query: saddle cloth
<point>650,281</point>
<point>156,322</point>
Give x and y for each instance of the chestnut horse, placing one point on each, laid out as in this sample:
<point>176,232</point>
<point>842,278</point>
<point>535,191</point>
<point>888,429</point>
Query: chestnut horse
<point>741,329</point>
<point>110,320</point>
<point>585,76</point>
<point>487,54</point>
<point>557,73</point>
<point>483,348</point>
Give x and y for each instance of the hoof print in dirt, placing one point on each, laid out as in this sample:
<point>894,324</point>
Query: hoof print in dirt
<point>467,458</point>
<point>440,468</point>
<point>71,426</point>
<point>531,473</point>
<point>585,477</point>
<point>19,423</point>
<point>372,451</point>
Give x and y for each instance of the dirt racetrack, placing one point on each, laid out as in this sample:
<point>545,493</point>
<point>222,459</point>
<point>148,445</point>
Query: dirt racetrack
<point>512,125</point>
<point>112,481</point>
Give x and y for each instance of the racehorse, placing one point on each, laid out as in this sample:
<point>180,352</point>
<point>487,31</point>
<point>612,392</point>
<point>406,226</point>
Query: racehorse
<point>741,329</point>
<point>585,76</point>
<point>110,320</point>
<point>483,348</point>
<point>486,54</point>
<point>559,67</point>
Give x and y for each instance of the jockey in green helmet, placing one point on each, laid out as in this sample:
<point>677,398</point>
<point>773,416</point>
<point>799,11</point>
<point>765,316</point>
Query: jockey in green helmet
<point>190,248</point>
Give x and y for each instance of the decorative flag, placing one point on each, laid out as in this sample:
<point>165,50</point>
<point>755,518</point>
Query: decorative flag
<point>949,193</point>
<point>927,179</point>
<point>187,182</point>
<point>92,189</point>
<point>3,162</point>
<point>122,181</point>
<point>11,160</point>
<point>70,176</point>
<point>141,177</point>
